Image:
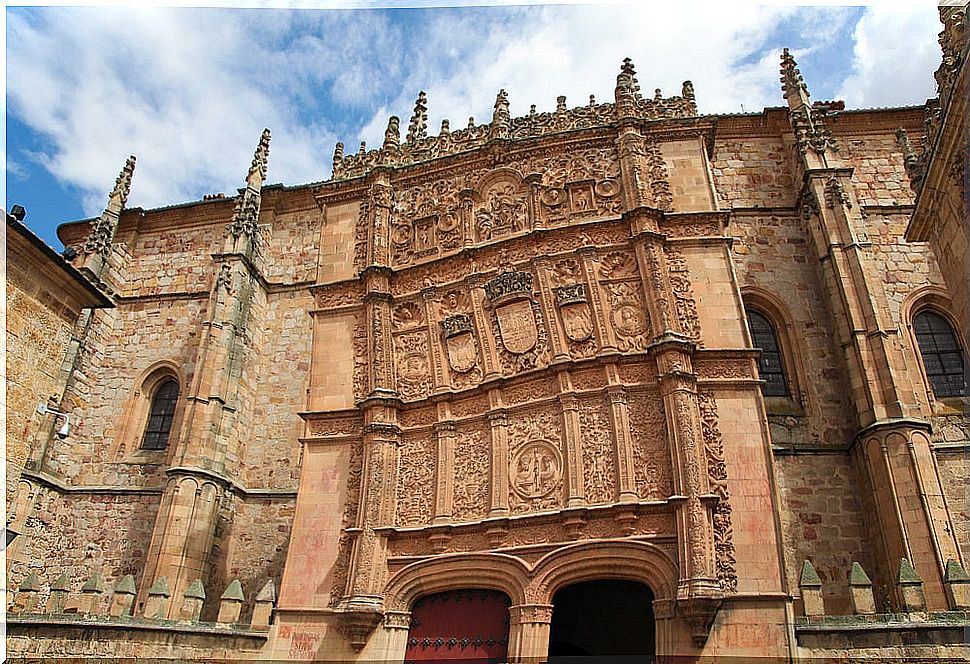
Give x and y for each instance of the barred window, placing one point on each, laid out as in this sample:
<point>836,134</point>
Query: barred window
<point>942,355</point>
<point>160,417</point>
<point>770,365</point>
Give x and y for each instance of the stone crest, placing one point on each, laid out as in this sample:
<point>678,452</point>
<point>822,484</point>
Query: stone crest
<point>535,469</point>
<point>459,336</point>
<point>511,295</point>
<point>577,319</point>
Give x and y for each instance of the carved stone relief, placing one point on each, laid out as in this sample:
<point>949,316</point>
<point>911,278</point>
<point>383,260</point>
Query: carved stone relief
<point>415,480</point>
<point>535,462</point>
<point>683,294</point>
<point>651,453</point>
<point>411,352</point>
<point>599,474</point>
<point>725,562</point>
<point>426,220</point>
<point>517,321</point>
<point>459,338</point>
<point>341,567</point>
<point>577,184</point>
<point>502,210</point>
<point>621,283</point>
<point>361,373</point>
<point>471,474</point>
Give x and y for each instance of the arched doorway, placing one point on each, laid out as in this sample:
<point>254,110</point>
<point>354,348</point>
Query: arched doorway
<point>609,617</point>
<point>459,625</point>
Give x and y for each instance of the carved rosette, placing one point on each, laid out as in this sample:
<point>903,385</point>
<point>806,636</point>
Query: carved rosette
<point>471,474</point>
<point>535,462</point>
<point>599,468</point>
<point>415,481</point>
<point>725,562</point>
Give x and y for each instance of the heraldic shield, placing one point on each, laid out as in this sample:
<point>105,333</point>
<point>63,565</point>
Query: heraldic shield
<point>460,342</point>
<point>577,319</point>
<point>517,323</point>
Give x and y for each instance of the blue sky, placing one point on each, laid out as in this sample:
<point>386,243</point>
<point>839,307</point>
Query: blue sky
<point>188,90</point>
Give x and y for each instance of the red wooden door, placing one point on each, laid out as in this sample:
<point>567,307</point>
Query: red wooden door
<point>459,625</point>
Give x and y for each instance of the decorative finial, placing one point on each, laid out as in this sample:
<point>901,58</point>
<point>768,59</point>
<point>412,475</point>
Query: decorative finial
<point>392,135</point>
<point>792,82</point>
<point>363,147</point>
<point>532,109</point>
<point>501,119</point>
<point>103,229</point>
<point>257,170</point>
<point>561,104</point>
<point>687,90</point>
<point>338,154</point>
<point>592,100</point>
<point>657,94</point>
<point>626,91</point>
<point>471,121</point>
<point>245,218</point>
<point>419,120</point>
<point>445,127</point>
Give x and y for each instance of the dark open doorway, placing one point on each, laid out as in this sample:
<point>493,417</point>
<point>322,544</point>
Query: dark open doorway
<point>610,618</point>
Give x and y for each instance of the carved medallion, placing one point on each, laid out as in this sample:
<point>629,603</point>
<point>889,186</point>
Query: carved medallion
<point>460,342</point>
<point>577,319</point>
<point>535,469</point>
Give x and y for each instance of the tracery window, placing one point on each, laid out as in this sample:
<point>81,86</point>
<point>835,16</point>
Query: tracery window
<point>770,365</point>
<point>160,416</point>
<point>942,355</point>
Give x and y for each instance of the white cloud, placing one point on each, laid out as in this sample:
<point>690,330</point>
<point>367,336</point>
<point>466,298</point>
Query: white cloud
<point>188,91</point>
<point>895,53</point>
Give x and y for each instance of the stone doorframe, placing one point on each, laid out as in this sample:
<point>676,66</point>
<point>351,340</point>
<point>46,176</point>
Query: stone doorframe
<point>531,587</point>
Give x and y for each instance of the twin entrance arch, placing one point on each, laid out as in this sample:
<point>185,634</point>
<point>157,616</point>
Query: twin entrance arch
<point>530,589</point>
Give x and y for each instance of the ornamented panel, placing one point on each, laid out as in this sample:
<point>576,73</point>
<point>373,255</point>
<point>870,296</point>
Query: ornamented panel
<point>651,452</point>
<point>717,471</point>
<point>415,481</point>
<point>517,323</point>
<point>588,379</point>
<point>458,336</point>
<point>412,356</point>
<point>683,294</point>
<point>503,208</point>
<point>599,467</point>
<point>345,544</point>
<point>619,279</point>
<point>576,184</point>
<point>538,388</point>
<point>472,447</point>
<point>427,220</point>
<point>535,461</point>
<point>361,374</point>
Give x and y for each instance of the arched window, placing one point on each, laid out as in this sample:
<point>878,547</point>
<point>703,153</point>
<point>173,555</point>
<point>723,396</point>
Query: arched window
<point>770,365</point>
<point>942,355</point>
<point>160,417</point>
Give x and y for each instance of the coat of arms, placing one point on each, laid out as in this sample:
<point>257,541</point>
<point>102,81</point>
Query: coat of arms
<point>511,293</point>
<point>577,320</point>
<point>460,342</point>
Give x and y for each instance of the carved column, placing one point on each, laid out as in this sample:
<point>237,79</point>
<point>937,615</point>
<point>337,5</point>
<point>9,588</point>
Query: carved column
<point>559,345</point>
<point>499,423</point>
<point>439,362</point>
<point>589,258</point>
<point>620,419</point>
<point>574,447</point>
<point>381,198</point>
<point>698,592</point>
<point>629,146</point>
<point>485,338</point>
<point>445,472</point>
<point>377,307</point>
<point>649,247</point>
<point>529,628</point>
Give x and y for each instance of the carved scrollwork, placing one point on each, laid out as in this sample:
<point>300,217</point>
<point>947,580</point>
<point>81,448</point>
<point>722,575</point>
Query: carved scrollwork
<point>415,481</point>
<point>680,284</point>
<point>651,456</point>
<point>725,561</point>
<point>503,211</point>
<point>599,474</point>
<point>471,474</point>
<point>413,364</point>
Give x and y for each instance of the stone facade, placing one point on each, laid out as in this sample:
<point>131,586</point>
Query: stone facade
<point>516,357</point>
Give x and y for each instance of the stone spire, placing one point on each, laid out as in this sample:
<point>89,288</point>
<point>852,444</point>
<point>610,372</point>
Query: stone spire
<point>245,218</point>
<point>807,122</point>
<point>338,155</point>
<point>501,118</point>
<point>419,120</point>
<point>103,229</point>
<point>392,135</point>
<point>626,91</point>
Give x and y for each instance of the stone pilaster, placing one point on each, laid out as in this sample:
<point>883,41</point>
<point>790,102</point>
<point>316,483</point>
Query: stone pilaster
<point>444,472</point>
<point>499,423</point>
<point>529,629</point>
<point>574,449</point>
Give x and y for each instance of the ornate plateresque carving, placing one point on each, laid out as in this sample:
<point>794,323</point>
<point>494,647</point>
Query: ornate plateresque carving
<point>651,455</point>
<point>725,562</point>
<point>679,275</point>
<point>416,481</point>
<point>599,468</point>
<point>535,462</point>
<point>471,474</point>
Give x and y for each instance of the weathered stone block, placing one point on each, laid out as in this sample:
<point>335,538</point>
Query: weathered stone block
<point>860,591</point>
<point>192,601</point>
<point>124,597</point>
<point>157,603</point>
<point>957,584</point>
<point>910,588</point>
<point>263,610</point>
<point>231,603</point>
<point>57,601</point>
